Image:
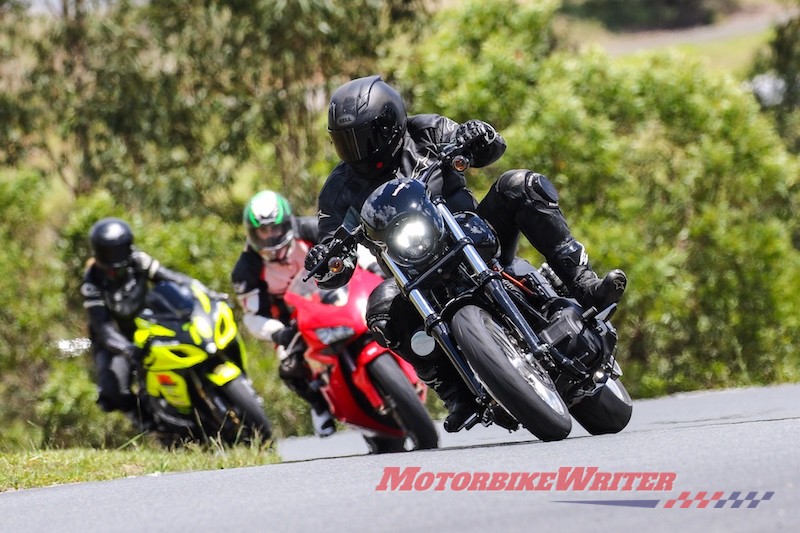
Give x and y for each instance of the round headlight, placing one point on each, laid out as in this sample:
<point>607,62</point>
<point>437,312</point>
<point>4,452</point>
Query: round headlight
<point>413,239</point>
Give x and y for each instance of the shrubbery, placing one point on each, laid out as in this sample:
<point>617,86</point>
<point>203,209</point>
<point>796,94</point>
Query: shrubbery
<point>663,169</point>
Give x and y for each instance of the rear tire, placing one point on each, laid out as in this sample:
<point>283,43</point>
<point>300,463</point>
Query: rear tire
<point>403,401</point>
<point>607,411</point>
<point>523,388</point>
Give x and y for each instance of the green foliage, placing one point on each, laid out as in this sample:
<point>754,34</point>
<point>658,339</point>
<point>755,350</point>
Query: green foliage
<point>627,15</point>
<point>780,63</point>
<point>30,317</point>
<point>67,412</point>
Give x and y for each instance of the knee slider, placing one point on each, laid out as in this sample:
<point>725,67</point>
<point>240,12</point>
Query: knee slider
<point>528,186</point>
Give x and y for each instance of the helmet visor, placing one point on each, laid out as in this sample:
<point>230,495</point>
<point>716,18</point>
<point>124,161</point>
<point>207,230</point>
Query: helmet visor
<point>271,237</point>
<point>360,142</point>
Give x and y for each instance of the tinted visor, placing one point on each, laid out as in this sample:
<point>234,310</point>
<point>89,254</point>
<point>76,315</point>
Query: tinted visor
<point>360,142</point>
<point>272,236</point>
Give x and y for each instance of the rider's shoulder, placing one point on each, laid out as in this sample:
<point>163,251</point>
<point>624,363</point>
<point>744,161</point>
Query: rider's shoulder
<point>248,267</point>
<point>430,127</point>
<point>425,121</point>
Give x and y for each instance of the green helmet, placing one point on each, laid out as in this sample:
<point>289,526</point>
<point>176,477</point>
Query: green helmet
<point>268,224</point>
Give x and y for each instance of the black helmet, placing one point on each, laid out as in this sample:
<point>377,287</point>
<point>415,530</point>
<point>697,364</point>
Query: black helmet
<point>112,243</point>
<point>366,122</point>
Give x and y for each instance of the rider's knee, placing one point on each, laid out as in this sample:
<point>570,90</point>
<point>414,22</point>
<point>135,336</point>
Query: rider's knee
<point>521,185</point>
<point>379,314</point>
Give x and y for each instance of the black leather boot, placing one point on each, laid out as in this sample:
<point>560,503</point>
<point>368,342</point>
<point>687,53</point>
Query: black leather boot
<point>454,393</point>
<point>571,263</point>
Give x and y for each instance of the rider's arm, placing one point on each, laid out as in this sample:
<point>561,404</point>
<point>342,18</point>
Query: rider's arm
<point>156,272</point>
<point>103,327</point>
<point>307,229</point>
<point>251,293</point>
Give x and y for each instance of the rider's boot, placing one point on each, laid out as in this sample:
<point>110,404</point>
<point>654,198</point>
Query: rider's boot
<point>294,373</point>
<point>454,394</point>
<point>322,420</point>
<point>571,263</point>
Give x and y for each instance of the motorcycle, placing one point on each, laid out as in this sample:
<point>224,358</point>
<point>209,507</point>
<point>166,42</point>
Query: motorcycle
<point>365,385</point>
<point>191,369</point>
<point>530,355</point>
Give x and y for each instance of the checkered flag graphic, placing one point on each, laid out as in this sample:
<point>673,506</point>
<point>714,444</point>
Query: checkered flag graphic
<point>704,499</point>
<point>751,499</point>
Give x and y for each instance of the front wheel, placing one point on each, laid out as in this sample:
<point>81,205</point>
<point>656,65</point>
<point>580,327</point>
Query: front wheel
<point>522,387</point>
<point>607,411</point>
<point>248,418</point>
<point>403,402</point>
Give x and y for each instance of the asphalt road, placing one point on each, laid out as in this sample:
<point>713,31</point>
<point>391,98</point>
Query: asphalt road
<point>713,461</point>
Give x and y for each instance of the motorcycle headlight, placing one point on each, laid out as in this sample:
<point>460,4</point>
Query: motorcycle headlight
<point>331,335</point>
<point>413,239</point>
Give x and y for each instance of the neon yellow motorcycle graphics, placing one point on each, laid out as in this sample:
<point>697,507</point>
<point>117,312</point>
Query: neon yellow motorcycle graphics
<point>173,345</point>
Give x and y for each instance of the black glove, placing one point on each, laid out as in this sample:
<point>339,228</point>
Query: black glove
<point>284,336</point>
<point>314,256</point>
<point>475,133</point>
<point>131,352</point>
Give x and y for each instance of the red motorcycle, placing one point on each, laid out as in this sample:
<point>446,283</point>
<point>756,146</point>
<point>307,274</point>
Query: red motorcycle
<point>365,385</point>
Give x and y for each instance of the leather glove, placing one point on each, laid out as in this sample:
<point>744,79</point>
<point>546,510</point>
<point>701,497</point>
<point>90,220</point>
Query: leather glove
<point>314,256</point>
<point>475,133</point>
<point>284,336</point>
<point>131,353</point>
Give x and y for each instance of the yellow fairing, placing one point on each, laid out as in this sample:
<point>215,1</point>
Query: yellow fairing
<point>164,356</point>
<point>225,328</point>
<point>224,373</point>
<point>171,386</point>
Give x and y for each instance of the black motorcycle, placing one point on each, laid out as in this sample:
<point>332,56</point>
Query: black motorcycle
<point>530,354</point>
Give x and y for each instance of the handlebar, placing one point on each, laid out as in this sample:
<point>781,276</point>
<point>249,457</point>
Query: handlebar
<point>343,241</point>
<point>455,155</point>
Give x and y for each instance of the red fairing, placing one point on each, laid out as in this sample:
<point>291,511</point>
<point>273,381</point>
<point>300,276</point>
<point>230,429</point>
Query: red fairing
<point>346,383</point>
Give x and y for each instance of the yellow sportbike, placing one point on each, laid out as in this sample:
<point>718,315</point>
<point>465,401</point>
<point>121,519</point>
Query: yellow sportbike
<point>192,369</point>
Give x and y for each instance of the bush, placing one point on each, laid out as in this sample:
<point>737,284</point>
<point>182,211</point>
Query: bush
<point>664,170</point>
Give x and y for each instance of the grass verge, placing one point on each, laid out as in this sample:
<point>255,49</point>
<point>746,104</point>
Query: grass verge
<point>41,468</point>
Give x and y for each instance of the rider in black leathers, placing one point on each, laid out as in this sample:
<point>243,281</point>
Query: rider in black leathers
<point>375,139</point>
<point>114,287</point>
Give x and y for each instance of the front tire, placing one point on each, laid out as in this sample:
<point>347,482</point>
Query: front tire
<point>607,411</point>
<point>523,388</point>
<point>249,420</point>
<point>404,403</point>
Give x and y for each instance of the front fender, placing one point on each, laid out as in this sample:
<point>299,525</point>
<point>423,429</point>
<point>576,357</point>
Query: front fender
<point>224,373</point>
<point>361,377</point>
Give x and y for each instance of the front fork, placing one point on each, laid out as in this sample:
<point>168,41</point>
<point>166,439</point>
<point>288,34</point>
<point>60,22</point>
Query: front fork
<point>494,288</point>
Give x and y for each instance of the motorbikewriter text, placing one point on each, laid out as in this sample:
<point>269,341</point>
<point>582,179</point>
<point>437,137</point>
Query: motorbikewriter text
<point>567,478</point>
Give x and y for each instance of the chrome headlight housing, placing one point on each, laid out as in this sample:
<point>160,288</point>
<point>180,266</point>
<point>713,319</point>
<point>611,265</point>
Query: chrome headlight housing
<point>413,240</point>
